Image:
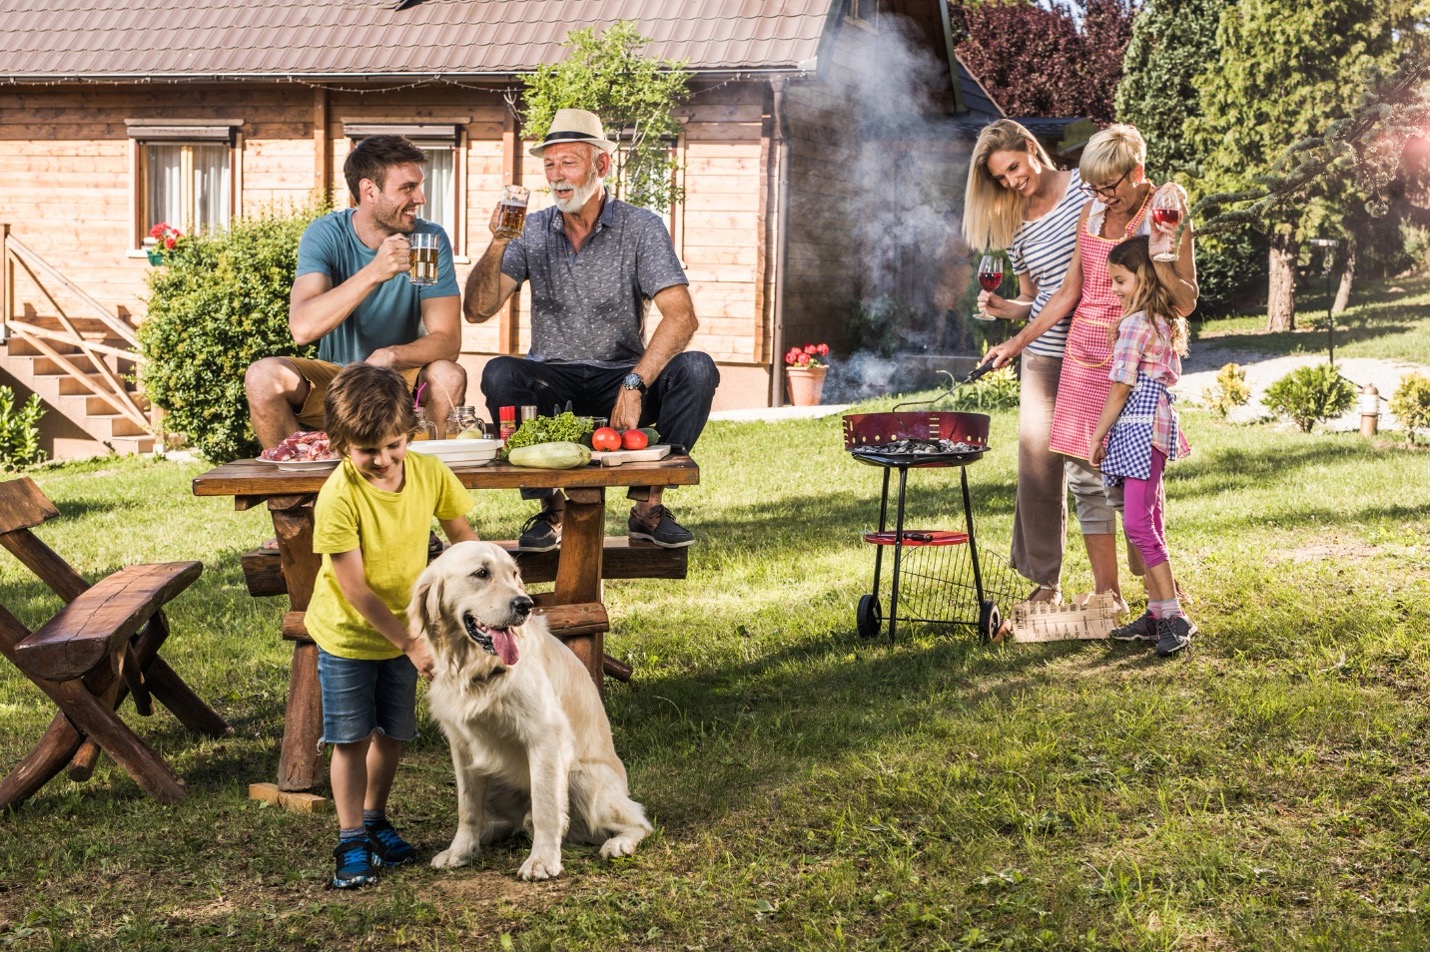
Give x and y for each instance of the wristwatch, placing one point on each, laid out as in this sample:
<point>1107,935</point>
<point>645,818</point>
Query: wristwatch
<point>633,381</point>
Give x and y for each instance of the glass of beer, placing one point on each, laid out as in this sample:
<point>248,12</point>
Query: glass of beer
<point>511,214</point>
<point>422,248</point>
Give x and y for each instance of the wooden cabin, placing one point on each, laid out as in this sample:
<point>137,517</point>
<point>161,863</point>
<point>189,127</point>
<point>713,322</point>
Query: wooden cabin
<point>822,157</point>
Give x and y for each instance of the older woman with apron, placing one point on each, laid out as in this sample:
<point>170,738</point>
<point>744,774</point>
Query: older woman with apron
<point>1121,201</point>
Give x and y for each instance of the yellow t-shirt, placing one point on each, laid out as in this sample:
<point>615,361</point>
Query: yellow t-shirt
<point>391,528</point>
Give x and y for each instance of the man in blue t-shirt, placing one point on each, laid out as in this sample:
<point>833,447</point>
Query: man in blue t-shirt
<point>352,296</point>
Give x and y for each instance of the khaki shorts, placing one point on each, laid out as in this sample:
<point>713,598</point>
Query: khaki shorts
<point>319,375</point>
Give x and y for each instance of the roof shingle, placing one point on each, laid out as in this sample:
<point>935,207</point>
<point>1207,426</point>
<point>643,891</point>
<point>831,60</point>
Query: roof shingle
<point>196,39</point>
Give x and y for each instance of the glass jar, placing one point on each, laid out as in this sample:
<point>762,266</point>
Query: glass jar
<point>426,429</point>
<point>461,418</point>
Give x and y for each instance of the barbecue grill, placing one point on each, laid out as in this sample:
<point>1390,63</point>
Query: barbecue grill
<point>943,579</point>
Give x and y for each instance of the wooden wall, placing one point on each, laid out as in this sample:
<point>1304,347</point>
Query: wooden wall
<point>65,182</point>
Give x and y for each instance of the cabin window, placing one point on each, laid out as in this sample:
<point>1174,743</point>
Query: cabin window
<point>185,174</point>
<point>441,144</point>
<point>187,186</point>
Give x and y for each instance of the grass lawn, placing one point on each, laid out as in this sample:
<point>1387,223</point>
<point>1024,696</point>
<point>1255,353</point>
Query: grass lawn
<point>812,790</point>
<point>1385,320</point>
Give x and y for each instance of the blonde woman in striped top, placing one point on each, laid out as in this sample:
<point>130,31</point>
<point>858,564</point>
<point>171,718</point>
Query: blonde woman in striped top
<point>1018,200</point>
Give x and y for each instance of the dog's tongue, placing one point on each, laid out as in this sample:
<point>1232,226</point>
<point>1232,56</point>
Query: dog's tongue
<point>505,645</point>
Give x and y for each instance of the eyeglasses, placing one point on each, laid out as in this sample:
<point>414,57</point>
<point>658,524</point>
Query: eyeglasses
<point>1103,192</point>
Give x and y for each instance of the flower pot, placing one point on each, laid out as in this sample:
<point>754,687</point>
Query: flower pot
<point>806,385</point>
<point>156,258</point>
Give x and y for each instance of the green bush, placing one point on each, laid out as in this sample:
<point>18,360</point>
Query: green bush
<point>219,302</point>
<point>1311,394</point>
<point>1230,392</point>
<point>1411,404</point>
<point>19,431</point>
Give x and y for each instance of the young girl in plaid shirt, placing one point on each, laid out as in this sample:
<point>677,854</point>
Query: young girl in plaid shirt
<point>1138,432</point>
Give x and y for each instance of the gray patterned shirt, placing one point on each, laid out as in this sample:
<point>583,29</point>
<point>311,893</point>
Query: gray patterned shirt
<point>590,306</point>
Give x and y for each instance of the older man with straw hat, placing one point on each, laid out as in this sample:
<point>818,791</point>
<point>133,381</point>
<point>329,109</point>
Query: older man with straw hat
<point>595,264</point>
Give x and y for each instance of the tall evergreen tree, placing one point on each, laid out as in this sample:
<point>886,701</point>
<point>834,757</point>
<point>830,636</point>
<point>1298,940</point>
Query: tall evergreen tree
<point>1287,69</point>
<point>1172,43</point>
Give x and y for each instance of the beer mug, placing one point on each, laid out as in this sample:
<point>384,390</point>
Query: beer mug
<point>423,255</point>
<point>511,214</point>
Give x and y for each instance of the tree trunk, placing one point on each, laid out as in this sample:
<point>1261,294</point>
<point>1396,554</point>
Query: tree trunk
<point>1281,285</point>
<point>1348,273</point>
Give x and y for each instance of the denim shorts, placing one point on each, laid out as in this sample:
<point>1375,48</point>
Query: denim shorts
<point>361,698</point>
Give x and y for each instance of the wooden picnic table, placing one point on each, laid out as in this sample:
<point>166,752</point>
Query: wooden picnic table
<point>579,569</point>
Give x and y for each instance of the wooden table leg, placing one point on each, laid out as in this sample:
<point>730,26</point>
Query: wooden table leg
<point>578,571</point>
<point>299,764</point>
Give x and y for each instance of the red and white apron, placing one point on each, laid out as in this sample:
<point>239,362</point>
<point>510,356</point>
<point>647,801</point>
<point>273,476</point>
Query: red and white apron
<point>1083,385</point>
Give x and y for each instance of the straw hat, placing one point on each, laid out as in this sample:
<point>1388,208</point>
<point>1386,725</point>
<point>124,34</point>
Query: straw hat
<point>575,126</point>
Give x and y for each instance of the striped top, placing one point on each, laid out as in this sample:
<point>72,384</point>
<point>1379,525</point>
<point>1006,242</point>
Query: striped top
<point>1043,248</point>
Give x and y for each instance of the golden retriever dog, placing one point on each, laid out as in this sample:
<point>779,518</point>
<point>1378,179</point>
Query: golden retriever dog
<point>530,742</point>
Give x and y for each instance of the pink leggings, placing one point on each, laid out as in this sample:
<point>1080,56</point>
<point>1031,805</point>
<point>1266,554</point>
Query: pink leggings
<point>1142,513</point>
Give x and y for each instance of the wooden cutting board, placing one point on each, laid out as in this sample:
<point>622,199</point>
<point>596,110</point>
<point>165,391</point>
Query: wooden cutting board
<point>651,453</point>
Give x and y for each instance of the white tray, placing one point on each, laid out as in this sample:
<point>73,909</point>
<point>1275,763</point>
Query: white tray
<point>460,451</point>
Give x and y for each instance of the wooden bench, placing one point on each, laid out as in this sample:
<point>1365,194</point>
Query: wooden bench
<point>103,645</point>
<point>622,559</point>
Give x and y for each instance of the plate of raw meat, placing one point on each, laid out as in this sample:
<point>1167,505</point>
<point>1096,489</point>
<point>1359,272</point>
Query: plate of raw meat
<point>301,451</point>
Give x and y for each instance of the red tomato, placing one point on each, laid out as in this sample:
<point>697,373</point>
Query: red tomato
<point>605,439</point>
<point>634,440</point>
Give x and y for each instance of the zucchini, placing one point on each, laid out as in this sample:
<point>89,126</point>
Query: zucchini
<point>551,454</point>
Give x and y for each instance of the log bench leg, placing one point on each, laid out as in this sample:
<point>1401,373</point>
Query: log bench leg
<point>55,748</point>
<point>164,684</point>
<point>95,718</point>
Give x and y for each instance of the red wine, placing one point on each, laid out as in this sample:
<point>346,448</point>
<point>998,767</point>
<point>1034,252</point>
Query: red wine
<point>1166,217</point>
<point>990,280</point>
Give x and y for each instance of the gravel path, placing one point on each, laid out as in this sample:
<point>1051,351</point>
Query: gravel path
<point>1201,366</point>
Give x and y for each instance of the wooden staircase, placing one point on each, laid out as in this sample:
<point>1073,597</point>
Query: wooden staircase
<point>83,366</point>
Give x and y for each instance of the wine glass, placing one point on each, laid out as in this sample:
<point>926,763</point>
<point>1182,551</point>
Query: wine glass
<point>990,277</point>
<point>1167,211</point>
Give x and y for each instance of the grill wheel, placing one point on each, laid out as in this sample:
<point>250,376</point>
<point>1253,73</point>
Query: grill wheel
<point>870,616</point>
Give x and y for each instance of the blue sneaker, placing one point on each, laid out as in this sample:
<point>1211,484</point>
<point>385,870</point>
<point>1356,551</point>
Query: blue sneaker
<point>388,848</point>
<point>353,864</point>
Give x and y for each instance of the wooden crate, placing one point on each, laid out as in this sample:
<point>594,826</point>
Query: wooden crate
<point>1088,617</point>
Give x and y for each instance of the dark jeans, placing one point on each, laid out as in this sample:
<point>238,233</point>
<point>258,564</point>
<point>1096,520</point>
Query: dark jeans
<point>677,403</point>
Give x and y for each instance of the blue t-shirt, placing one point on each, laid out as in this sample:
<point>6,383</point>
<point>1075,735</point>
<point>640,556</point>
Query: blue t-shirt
<point>392,313</point>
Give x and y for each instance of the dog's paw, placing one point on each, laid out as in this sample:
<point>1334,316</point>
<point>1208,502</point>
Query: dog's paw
<point>622,844</point>
<point>538,869</point>
<point>453,857</point>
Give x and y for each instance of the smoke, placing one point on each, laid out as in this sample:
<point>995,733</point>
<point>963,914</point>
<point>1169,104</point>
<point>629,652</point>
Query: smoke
<point>908,172</point>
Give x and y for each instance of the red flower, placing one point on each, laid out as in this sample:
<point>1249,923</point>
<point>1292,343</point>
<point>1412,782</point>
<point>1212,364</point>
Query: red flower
<point>165,234</point>
<point>807,356</point>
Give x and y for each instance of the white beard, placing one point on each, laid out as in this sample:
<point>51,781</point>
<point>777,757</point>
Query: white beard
<point>580,195</point>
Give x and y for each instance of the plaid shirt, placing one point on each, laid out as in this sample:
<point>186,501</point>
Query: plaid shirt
<point>1141,347</point>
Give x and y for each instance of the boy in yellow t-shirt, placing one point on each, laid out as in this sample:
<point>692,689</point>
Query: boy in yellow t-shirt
<point>371,524</point>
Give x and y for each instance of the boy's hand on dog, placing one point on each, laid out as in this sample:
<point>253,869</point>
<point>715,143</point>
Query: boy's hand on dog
<point>419,651</point>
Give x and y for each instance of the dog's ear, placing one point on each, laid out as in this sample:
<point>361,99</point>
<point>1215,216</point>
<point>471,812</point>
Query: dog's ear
<point>424,614</point>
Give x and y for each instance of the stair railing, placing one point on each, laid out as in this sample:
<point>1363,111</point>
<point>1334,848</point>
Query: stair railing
<point>107,385</point>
